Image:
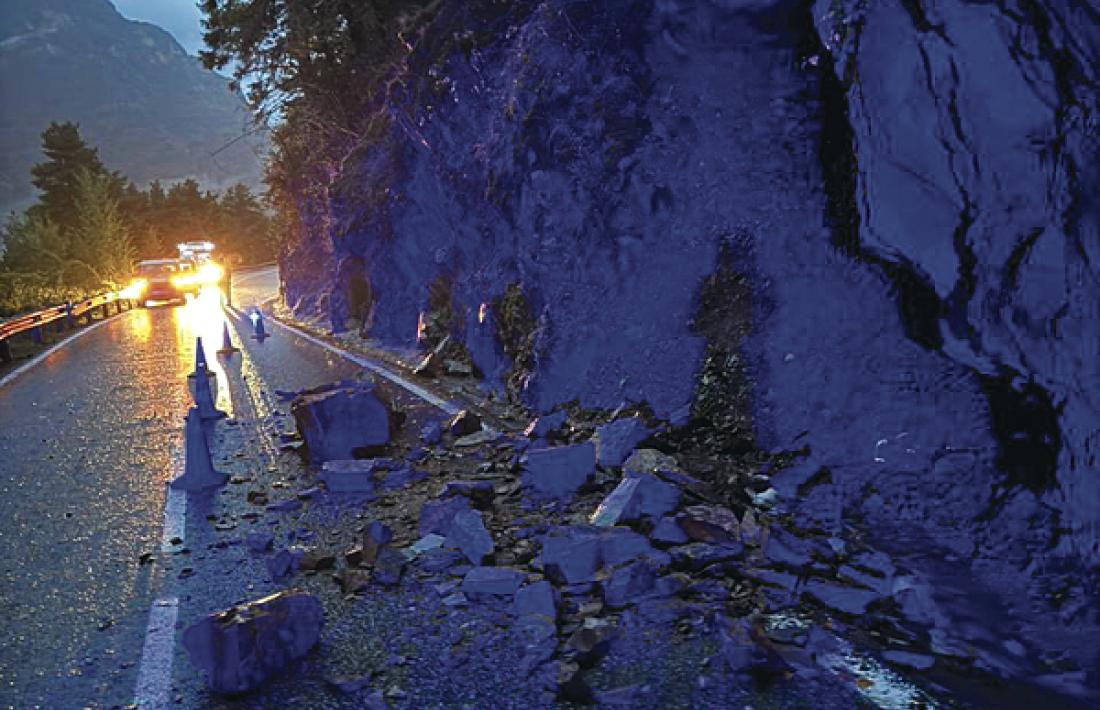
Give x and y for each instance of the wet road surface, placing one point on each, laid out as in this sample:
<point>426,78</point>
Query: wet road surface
<point>87,441</point>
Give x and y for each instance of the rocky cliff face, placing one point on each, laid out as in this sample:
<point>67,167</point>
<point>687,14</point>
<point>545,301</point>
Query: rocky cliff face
<point>148,106</point>
<point>910,190</point>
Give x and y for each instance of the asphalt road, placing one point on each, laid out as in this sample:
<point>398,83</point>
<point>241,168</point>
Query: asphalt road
<point>88,439</point>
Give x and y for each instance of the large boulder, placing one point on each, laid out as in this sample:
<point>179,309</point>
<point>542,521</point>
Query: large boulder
<point>556,473</point>
<point>335,423</point>
<point>242,647</point>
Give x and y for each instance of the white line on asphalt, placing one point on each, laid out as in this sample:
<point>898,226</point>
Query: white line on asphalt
<point>42,356</point>
<point>419,391</point>
<point>155,672</point>
<point>175,517</point>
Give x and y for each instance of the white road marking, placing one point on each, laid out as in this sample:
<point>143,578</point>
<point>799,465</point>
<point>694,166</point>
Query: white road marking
<point>155,672</point>
<point>42,356</point>
<point>175,518</point>
<point>417,390</point>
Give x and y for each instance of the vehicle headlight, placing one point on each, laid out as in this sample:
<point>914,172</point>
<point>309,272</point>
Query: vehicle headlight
<point>210,273</point>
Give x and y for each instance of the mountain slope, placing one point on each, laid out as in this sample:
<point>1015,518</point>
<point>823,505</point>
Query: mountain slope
<point>148,106</point>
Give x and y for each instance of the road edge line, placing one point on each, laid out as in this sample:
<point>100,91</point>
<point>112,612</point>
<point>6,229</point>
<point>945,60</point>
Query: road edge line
<point>393,377</point>
<point>155,670</point>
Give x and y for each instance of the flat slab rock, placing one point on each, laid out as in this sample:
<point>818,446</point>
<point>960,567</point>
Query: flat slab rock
<point>240,648</point>
<point>491,581</point>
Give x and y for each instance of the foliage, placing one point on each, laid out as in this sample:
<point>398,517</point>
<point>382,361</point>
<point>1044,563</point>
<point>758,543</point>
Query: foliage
<point>67,158</point>
<point>314,70</point>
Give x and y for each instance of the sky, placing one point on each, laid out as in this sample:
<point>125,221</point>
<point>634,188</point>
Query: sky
<point>180,17</point>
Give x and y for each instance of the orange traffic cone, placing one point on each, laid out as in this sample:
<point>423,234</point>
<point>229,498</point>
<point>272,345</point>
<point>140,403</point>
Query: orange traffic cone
<point>227,348</point>
<point>204,398</point>
<point>198,469</point>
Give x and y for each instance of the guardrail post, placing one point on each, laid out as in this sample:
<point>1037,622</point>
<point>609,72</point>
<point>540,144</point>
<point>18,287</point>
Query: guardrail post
<point>69,320</point>
<point>5,351</point>
<point>36,334</point>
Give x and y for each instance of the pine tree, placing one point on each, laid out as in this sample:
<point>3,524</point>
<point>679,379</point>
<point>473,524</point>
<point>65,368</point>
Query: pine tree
<point>101,243</point>
<point>67,156</point>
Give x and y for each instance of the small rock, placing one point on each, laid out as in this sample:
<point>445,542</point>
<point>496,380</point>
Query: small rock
<point>316,560</point>
<point>710,523</point>
<point>847,600</point>
<point>354,557</point>
<point>467,532</point>
<point>557,473</point>
<point>258,542</point>
<point>544,426</point>
<point>616,440</point>
<point>619,545</point>
<point>699,555</point>
<point>668,531</point>
<point>352,685</point>
<point>429,542</point>
<point>256,497</point>
<point>457,369</point>
<point>146,558</point>
<point>536,598</point>
<point>376,535</point>
<point>283,563</point>
<point>436,516</point>
<point>349,475</point>
<point>283,506</point>
<point>629,584</point>
<point>431,433</point>
<point>592,641</point>
<point>240,648</point>
<point>639,495</point>
<point>572,687</point>
<point>453,600</point>
<point>401,477</point>
<point>571,555</point>
<point>464,423</point>
<point>388,567</point>
<point>479,493</point>
<point>478,438</point>
<point>491,581</point>
<point>353,581</point>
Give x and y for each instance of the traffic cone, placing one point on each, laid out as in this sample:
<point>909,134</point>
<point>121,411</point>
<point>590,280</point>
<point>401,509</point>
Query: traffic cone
<point>227,344</point>
<point>198,469</point>
<point>258,325</point>
<point>200,355</point>
<point>204,398</point>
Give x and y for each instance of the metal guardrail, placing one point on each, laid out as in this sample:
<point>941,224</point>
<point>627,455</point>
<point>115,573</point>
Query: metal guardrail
<point>65,316</point>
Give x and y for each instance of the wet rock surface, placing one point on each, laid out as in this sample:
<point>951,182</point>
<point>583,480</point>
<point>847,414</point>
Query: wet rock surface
<point>336,422</point>
<point>241,648</point>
